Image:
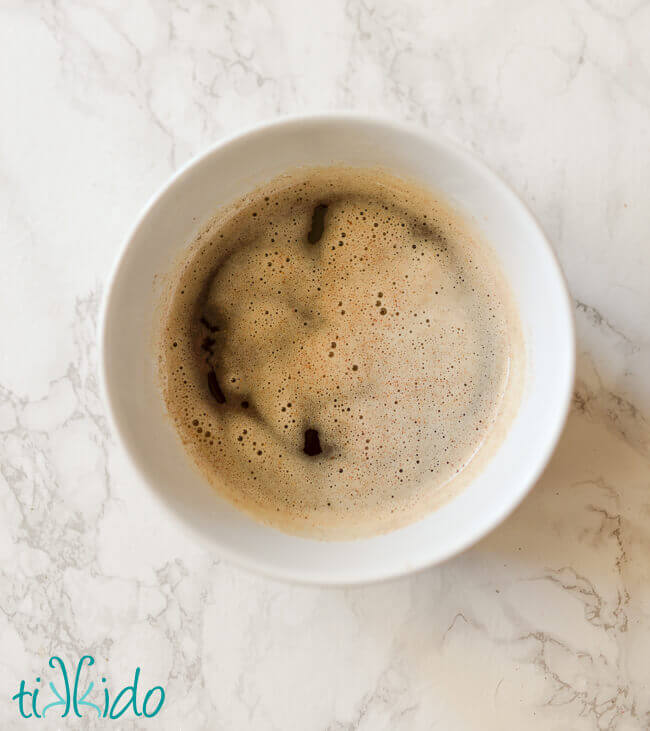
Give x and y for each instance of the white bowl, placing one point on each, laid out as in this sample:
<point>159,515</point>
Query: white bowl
<point>233,167</point>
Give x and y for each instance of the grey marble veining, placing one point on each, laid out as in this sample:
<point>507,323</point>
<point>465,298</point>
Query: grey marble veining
<point>546,623</point>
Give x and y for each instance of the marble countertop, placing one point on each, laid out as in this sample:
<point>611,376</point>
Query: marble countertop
<point>543,625</point>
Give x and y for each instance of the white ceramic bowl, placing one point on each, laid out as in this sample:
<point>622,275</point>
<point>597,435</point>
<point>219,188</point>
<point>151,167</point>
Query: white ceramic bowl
<point>231,168</point>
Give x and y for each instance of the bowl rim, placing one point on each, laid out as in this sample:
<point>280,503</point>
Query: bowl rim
<point>320,576</point>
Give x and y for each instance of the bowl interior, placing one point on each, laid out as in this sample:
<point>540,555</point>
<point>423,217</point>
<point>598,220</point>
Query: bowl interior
<point>231,169</point>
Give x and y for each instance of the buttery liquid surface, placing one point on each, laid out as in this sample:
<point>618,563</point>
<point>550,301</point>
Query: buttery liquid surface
<point>336,349</point>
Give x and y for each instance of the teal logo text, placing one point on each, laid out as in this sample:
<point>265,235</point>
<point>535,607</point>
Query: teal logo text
<point>64,695</point>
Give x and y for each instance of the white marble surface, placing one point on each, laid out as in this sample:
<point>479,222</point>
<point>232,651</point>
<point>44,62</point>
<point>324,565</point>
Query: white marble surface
<point>543,625</point>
